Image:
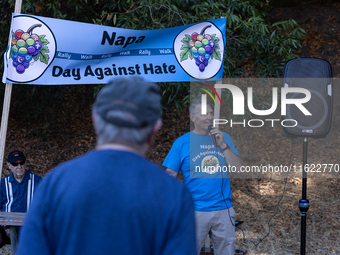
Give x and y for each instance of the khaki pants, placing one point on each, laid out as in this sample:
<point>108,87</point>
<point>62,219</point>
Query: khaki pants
<point>220,225</point>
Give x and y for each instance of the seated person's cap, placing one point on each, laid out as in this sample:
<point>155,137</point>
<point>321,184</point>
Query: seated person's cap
<point>139,98</point>
<point>15,155</point>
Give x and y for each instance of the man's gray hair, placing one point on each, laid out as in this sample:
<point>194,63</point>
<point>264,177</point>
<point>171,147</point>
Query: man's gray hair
<point>193,105</point>
<point>110,133</point>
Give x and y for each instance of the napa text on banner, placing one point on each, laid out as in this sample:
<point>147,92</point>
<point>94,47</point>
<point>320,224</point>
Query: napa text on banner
<point>48,51</point>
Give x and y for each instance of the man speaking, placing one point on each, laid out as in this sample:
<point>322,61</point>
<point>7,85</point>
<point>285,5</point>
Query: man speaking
<point>204,163</point>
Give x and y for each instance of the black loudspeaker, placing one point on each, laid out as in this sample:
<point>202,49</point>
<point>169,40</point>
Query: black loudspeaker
<point>315,75</point>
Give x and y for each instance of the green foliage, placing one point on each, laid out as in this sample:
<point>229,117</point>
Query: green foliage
<point>175,92</point>
<point>250,37</point>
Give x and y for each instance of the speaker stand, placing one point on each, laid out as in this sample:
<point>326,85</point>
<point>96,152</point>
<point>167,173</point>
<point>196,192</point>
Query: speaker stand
<point>304,203</point>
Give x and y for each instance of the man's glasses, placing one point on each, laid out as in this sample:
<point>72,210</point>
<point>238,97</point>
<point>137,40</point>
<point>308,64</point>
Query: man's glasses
<point>18,163</point>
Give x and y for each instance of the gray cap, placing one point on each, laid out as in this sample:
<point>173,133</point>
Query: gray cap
<point>140,98</point>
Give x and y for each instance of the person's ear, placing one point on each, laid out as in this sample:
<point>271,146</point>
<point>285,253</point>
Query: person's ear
<point>154,131</point>
<point>8,164</point>
<point>192,117</point>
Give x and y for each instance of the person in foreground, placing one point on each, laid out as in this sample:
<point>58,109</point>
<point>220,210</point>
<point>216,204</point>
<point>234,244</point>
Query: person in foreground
<point>112,200</point>
<point>17,189</point>
<point>204,163</point>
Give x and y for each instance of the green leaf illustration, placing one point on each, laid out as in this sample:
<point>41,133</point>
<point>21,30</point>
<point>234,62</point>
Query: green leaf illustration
<point>185,54</point>
<point>43,40</point>
<point>184,47</point>
<point>43,55</point>
<point>215,38</point>
<point>216,54</point>
<point>186,39</point>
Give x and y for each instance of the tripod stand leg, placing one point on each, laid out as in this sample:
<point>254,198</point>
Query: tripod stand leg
<point>303,233</point>
<point>304,203</point>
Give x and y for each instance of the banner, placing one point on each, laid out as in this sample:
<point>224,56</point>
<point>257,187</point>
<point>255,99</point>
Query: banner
<point>48,51</point>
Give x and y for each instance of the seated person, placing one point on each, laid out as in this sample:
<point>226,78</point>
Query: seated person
<point>17,189</point>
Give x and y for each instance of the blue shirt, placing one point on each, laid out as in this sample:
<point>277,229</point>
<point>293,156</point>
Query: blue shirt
<point>204,170</point>
<point>15,196</point>
<point>109,200</point>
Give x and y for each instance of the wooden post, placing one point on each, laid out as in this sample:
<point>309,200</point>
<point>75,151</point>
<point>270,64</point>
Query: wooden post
<point>6,105</point>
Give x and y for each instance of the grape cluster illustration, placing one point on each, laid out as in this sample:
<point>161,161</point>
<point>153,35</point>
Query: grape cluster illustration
<point>26,46</point>
<point>201,47</point>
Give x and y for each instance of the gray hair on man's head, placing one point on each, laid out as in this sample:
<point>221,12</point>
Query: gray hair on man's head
<point>110,133</point>
<point>193,105</point>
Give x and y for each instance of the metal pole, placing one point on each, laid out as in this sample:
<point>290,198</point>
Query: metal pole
<point>304,203</point>
<point>304,173</point>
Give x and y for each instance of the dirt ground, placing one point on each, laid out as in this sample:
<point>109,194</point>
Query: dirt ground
<point>267,200</point>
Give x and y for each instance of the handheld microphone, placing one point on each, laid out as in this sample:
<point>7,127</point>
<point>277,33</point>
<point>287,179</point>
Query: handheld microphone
<point>212,136</point>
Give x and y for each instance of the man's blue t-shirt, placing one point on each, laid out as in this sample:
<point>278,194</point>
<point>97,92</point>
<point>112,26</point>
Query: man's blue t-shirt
<point>107,201</point>
<point>205,173</point>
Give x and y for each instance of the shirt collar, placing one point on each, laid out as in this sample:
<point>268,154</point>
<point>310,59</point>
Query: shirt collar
<point>26,177</point>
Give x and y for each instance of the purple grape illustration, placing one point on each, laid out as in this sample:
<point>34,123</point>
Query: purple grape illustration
<point>20,69</point>
<point>26,46</point>
<point>202,47</point>
<point>30,50</point>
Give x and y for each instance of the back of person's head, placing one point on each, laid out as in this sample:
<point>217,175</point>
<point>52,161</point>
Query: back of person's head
<point>125,111</point>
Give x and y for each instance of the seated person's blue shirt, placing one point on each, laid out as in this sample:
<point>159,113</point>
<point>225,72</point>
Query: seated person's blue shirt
<point>15,196</point>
